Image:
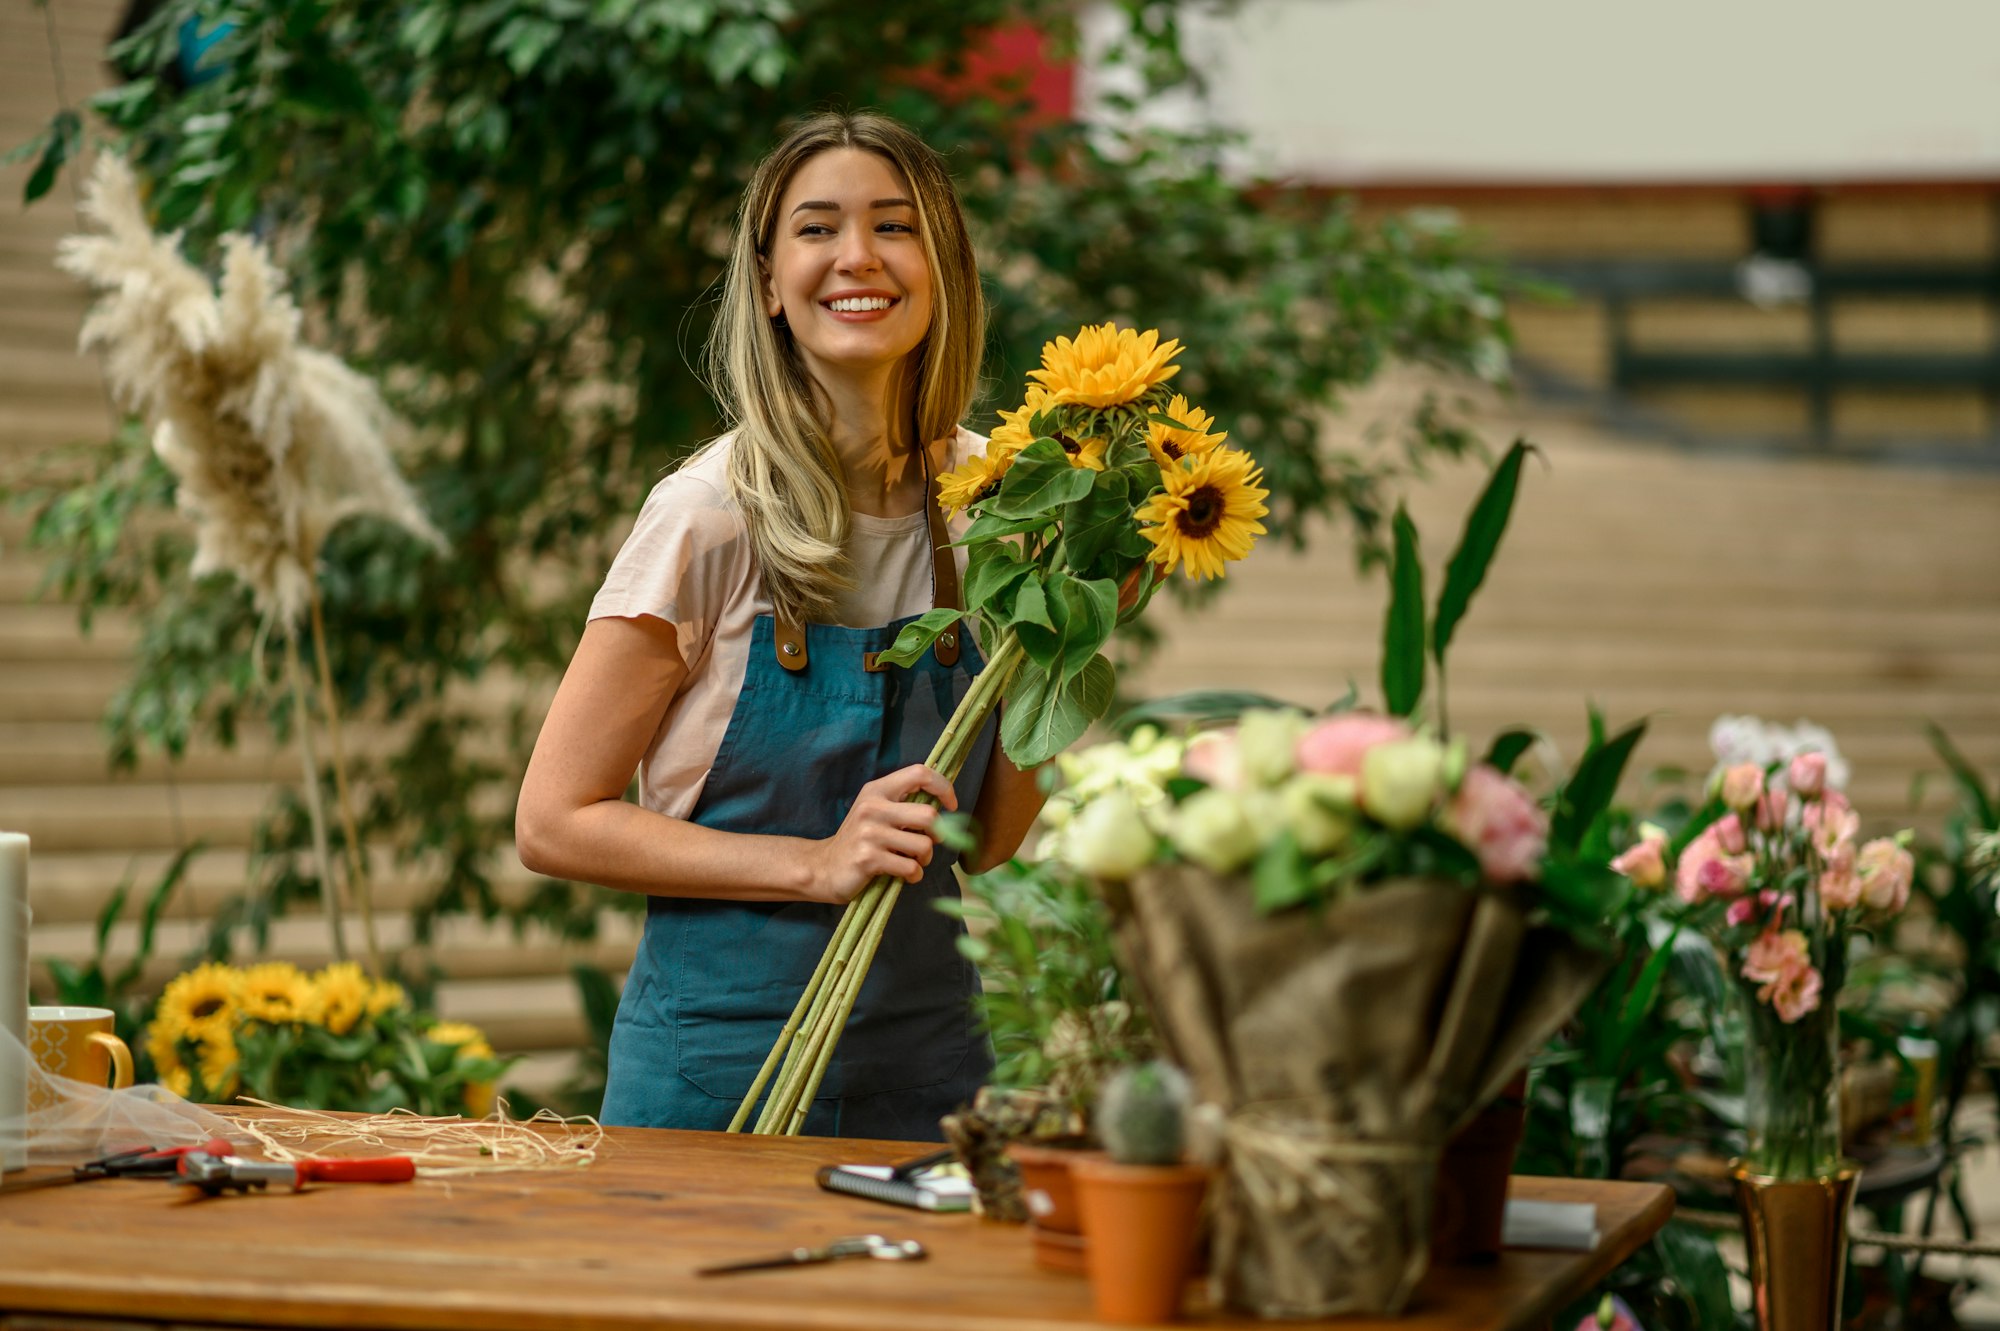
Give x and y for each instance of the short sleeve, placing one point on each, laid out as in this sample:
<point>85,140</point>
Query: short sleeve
<point>687,558</point>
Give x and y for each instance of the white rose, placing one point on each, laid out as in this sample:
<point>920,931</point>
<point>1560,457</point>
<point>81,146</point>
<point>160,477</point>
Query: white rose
<point>1212,828</point>
<point>1401,780</point>
<point>1107,838</point>
<point>1266,742</point>
<point>1319,810</point>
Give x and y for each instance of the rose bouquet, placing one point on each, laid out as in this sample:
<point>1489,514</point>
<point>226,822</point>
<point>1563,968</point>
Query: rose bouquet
<point>1351,934</point>
<point>1102,473</point>
<point>335,1039</point>
<point>1773,870</point>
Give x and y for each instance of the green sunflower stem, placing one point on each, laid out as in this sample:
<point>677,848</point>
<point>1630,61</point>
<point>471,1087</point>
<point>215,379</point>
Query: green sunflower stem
<point>804,1048</point>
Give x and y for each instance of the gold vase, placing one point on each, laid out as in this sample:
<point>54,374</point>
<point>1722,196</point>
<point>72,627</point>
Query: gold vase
<point>1795,1232</point>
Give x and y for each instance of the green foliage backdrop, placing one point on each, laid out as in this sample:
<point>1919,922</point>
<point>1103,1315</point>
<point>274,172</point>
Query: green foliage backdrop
<point>513,212</point>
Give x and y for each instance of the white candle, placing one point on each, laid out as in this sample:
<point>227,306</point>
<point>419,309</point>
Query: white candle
<point>14,918</point>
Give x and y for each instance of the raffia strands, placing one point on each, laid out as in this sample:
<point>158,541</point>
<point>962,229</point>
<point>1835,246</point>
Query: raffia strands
<point>440,1147</point>
<point>272,443</point>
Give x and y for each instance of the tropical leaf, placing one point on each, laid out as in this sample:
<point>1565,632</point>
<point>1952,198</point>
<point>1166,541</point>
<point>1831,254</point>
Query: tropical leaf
<point>918,635</point>
<point>1507,748</point>
<point>1590,790</point>
<point>1403,633</point>
<point>1484,527</point>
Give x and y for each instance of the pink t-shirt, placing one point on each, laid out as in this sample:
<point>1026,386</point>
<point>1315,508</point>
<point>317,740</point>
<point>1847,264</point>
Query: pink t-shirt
<point>688,561</point>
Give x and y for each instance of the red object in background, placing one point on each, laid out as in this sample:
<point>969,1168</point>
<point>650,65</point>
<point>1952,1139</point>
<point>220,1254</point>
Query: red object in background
<point>1010,61</point>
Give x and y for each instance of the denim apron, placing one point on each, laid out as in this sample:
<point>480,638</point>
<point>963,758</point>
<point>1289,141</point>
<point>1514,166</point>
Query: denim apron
<point>714,981</point>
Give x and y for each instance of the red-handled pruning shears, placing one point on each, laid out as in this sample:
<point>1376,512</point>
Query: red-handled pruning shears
<point>139,1162</point>
<point>215,1173</point>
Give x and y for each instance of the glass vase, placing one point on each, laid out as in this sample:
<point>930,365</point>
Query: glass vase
<point>1791,1092</point>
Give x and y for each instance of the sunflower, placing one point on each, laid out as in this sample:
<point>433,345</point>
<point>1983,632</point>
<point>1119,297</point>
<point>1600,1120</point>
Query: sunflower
<point>1086,453</point>
<point>276,992</point>
<point>972,482</point>
<point>340,997</point>
<point>1106,365</point>
<point>214,1053</point>
<point>384,995</point>
<point>207,998</point>
<point>1169,445</point>
<point>471,1045</point>
<point>1015,431</point>
<point>1207,514</point>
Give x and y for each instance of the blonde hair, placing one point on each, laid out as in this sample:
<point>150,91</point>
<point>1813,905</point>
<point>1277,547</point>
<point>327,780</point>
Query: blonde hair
<point>783,470</point>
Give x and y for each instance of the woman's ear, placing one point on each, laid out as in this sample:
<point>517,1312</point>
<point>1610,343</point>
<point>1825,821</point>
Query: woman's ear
<point>773,307</point>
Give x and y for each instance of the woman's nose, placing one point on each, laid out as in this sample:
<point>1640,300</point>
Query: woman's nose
<point>857,251</point>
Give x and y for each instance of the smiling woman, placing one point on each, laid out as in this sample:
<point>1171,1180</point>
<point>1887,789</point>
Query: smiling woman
<point>731,657</point>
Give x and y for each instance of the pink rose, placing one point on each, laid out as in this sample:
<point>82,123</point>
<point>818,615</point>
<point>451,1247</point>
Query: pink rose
<point>1840,885</point>
<point>1885,870</point>
<point>1335,746</point>
<point>1211,757</point>
<point>1729,831</point>
<point>1807,774</point>
<point>1643,864</point>
<point>1499,823</point>
<point>1771,809</point>
<point>1707,871</point>
<point>1794,993</point>
<point>1832,823</point>
<point>1741,785</point>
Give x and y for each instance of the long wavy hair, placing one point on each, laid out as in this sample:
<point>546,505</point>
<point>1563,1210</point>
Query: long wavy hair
<point>783,469</point>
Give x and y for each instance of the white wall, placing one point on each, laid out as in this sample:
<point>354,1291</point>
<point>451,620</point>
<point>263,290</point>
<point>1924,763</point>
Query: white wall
<point>1580,91</point>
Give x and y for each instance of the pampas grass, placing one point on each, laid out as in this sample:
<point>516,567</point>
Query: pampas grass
<point>272,443</point>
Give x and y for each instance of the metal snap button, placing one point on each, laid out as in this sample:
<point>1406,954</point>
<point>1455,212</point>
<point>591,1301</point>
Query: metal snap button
<point>790,649</point>
<point>948,639</point>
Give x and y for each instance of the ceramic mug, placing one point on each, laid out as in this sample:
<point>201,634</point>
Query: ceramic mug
<point>78,1043</point>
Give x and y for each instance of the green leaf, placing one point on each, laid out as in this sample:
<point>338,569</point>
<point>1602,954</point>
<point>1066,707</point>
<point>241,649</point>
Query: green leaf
<point>1197,705</point>
<point>1044,716</point>
<point>1041,480</point>
<point>1093,524</point>
<point>64,136</point>
<point>1403,633</point>
<point>1638,1005</point>
<point>1692,1261</point>
<point>1282,877</point>
<point>1970,783</point>
<point>992,570</point>
<point>1484,527</point>
<point>1507,748</point>
<point>1590,790</point>
<point>988,527</point>
<point>1031,606</point>
<point>917,636</point>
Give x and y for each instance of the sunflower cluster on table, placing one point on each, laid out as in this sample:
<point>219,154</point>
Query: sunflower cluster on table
<point>1110,381</point>
<point>333,1039</point>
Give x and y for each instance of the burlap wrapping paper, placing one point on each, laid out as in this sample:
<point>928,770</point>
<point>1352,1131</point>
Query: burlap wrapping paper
<point>1346,1045</point>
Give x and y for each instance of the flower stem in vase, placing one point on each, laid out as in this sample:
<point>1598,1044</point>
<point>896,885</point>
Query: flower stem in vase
<point>1791,1093</point>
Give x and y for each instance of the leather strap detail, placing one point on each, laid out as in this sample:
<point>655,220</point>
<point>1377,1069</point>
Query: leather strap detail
<point>791,646</point>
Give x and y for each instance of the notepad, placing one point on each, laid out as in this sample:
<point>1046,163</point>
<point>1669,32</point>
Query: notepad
<point>1571,1226</point>
<point>941,1188</point>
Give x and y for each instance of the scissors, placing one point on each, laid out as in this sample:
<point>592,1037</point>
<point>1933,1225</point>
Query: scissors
<point>860,1245</point>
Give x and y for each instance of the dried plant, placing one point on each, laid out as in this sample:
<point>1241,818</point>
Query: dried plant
<point>272,443</point>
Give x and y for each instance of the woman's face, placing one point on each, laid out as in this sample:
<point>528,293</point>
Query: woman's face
<point>846,265</point>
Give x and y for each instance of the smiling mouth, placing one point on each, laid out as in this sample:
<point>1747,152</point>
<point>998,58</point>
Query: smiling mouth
<point>860,304</point>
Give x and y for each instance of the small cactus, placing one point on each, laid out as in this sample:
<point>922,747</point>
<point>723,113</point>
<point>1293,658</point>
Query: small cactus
<point>1142,1114</point>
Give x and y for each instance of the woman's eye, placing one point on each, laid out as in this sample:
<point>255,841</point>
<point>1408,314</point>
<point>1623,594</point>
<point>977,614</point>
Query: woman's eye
<point>900,228</point>
<point>815,229</point>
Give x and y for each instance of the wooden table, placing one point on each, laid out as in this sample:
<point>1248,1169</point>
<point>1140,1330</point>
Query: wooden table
<point>615,1246</point>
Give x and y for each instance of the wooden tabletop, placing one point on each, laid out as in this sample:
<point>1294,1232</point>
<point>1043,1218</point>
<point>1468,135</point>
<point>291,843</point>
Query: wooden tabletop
<point>614,1247</point>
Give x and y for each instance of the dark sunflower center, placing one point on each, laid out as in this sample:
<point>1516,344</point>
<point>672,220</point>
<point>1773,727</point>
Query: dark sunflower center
<point>1203,513</point>
<point>207,1007</point>
<point>1069,445</point>
<point>1171,449</point>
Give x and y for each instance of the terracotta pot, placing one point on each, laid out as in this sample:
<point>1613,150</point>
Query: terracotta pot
<point>1143,1221</point>
<point>1048,1191</point>
<point>1469,1203</point>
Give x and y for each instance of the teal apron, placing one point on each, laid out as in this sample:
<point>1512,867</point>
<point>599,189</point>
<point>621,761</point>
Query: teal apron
<point>715,980</point>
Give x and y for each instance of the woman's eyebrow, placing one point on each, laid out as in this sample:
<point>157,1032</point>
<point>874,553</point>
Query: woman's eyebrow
<point>827,206</point>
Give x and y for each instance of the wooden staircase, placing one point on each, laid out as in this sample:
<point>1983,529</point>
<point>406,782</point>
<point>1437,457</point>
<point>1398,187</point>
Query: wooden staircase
<point>1653,581</point>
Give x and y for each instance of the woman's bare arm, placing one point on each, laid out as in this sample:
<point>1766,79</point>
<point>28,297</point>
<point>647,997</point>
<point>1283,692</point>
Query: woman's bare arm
<point>572,820</point>
<point>1008,802</point>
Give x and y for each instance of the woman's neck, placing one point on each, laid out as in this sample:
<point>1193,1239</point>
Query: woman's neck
<point>878,462</point>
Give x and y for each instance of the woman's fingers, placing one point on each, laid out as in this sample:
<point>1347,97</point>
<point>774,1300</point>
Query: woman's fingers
<point>899,785</point>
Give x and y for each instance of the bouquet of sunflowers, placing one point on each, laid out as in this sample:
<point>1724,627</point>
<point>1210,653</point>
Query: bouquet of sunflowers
<point>335,1039</point>
<point>1101,474</point>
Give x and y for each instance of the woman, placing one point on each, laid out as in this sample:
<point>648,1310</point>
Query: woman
<point>729,658</point>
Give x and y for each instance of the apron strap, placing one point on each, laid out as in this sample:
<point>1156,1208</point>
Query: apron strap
<point>791,638</point>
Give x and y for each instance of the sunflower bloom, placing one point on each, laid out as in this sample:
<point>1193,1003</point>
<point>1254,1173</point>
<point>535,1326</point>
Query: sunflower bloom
<point>470,1042</point>
<point>341,994</point>
<point>1015,431</point>
<point>1207,515</point>
<point>1085,453</point>
<point>207,998</point>
<point>276,992</point>
<point>383,995</point>
<point>966,485</point>
<point>1169,445</point>
<point>1106,365</point>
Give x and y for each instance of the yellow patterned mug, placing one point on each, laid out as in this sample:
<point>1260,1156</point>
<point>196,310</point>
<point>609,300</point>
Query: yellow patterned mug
<point>78,1043</point>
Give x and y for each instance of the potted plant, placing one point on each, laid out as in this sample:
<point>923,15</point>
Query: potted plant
<point>1058,1012</point>
<point>1141,1199</point>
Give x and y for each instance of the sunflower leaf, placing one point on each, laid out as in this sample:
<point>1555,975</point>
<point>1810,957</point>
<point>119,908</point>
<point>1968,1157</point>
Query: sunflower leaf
<point>1403,633</point>
<point>1043,716</point>
<point>1031,605</point>
<point>918,635</point>
<point>993,570</point>
<point>987,527</point>
<point>1093,524</point>
<point>1090,610</point>
<point>1041,479</point>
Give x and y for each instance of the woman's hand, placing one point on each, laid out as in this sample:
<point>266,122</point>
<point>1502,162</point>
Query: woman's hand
<point>882,834</point>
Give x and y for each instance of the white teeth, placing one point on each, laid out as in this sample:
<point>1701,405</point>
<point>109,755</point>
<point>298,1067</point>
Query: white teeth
<point>856,304</point>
